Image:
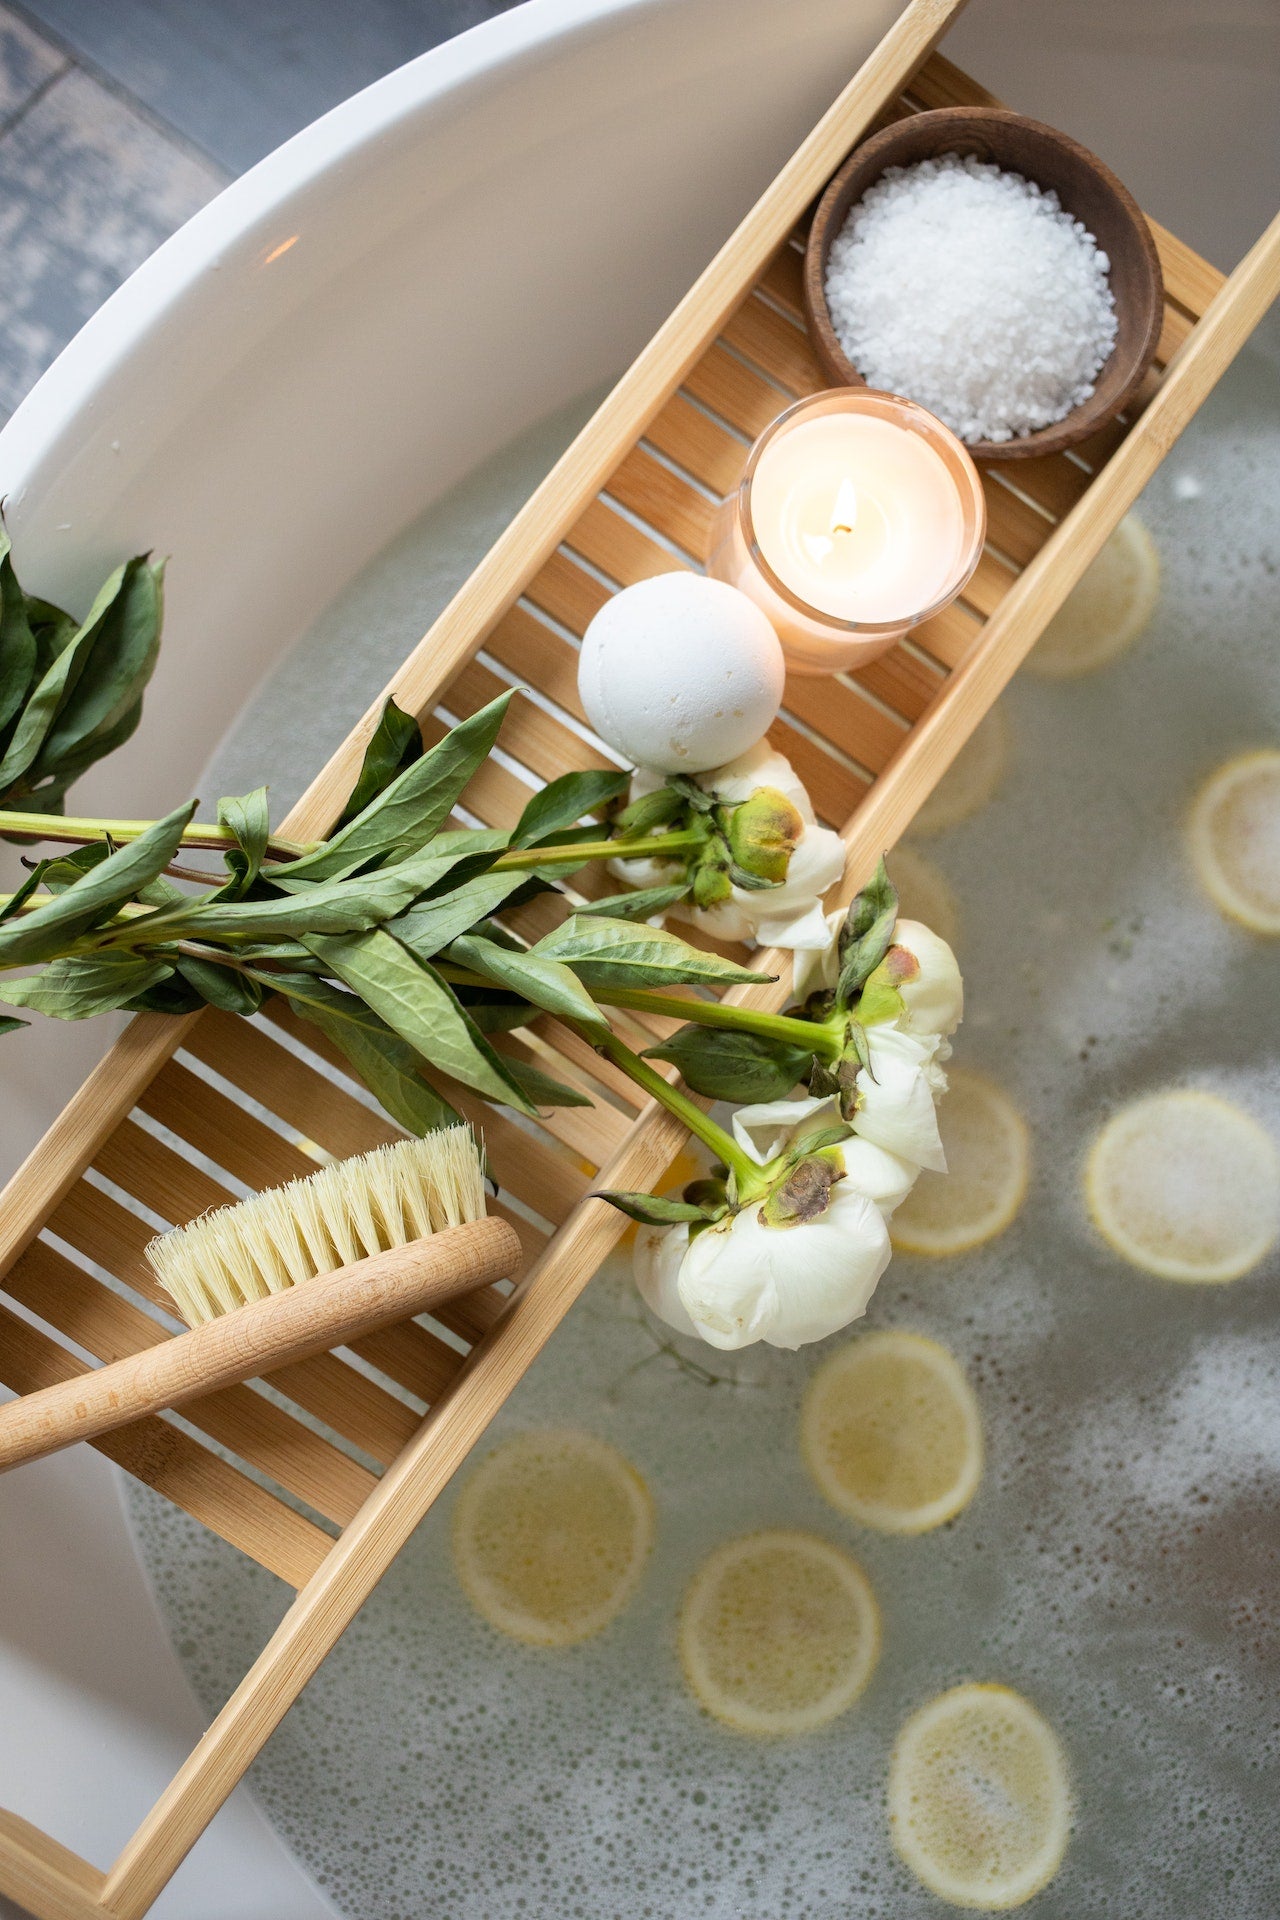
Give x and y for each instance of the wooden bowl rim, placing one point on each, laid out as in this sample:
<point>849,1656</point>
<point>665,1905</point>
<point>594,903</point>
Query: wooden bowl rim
<point>879,150</point>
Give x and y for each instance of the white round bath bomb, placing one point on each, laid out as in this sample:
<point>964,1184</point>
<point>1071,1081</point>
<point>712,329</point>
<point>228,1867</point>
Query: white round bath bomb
<point>681,673</point>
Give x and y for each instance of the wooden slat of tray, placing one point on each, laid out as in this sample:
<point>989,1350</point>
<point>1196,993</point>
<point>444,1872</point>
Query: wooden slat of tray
<point>162,1456</point>
<point>653,515</point>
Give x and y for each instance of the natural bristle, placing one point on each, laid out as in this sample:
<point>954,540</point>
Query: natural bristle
<point>345,1212</point>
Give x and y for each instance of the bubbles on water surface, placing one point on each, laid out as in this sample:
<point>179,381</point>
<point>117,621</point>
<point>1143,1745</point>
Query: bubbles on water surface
<point>1119,1565</point>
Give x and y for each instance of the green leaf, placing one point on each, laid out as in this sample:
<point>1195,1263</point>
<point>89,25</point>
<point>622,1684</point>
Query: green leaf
<point>616,953</point>
<point>333,906</point>
<point>541,1088</point>
<point>430,925</point>
<point>49,794</point>
<point>42,933</point>
<point>17,901</point>
<point>566,800</point>
<point>54,630</point>
<point>78,985</point>
<point>224,987</point>
<point>819,1141</point>
<point>172,997</point>
<point>692,794</point>
<point>740,1067</point>
<point>650,812</point>
<point>9,1024</point>
<point>248,818</point>
<point>396,742</point>
<point>879,1000</point>
<point>94,684</point>
<point>495,1012</point>
<point>18,654</point>
<point>650,1209</point>
<point>407,814</point>
<point>549,984</point>
<point>388,1066</point>
<point>412,998</point>
<point>867,933</point>
<point>636,906</point>
<point>65,869</point>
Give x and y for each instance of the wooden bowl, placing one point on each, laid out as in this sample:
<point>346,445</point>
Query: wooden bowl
<point>1087,190</point>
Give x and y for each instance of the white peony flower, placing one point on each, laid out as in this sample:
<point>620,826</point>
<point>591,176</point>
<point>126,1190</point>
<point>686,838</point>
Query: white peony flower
<point>742,1281</point>
<point>896,1098</point>
<point>655,1262</point>
<point>925,973</point>
<point>787,915</point>
<point>766,1129</point>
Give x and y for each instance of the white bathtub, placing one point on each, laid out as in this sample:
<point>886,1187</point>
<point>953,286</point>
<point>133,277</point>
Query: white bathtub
<point>326,348</point>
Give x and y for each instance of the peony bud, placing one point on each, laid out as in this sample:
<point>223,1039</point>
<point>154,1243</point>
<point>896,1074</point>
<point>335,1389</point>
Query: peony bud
<point>922,969</point>
<point>764,832</point>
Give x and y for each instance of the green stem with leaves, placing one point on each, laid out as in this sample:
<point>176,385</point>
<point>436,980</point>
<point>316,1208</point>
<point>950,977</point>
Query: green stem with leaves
<point>80,831</point>
<point>748,1177</point>
<point>204,833</point>
<point>575,852</point>
<point>714,1013</point>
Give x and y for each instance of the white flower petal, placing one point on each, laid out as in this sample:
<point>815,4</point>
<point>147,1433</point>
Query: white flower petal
<point>770,1125</point>
<point>884,1177</point>
<point>759,766</point>
<point>648,873</point>
<point>896,1107</point>
<point>725,921</point>
<point>934,1000</point>
<point>726,1285</point>
<point>655,1264</point>
<point>816,969</point>
<point>803,927</point>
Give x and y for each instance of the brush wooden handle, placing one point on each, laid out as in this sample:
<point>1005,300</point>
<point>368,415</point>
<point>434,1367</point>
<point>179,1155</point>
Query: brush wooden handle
<point>306,1319</point>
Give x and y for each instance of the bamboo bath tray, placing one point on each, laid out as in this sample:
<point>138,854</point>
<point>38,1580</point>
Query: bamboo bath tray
<point>323,1480</point>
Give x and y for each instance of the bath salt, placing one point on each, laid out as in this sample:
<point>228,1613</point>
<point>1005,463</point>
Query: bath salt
<point>972,291</point>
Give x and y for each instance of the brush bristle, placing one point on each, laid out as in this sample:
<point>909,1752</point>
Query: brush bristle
<point>315,1225</point>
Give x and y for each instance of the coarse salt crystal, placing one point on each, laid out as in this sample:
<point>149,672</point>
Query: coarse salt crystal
<point>972,291</point>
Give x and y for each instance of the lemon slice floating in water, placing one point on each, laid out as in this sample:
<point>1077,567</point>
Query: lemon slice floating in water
<point>979,1804</point>
<point>988,1153</point>
<point>971,779</point>
<point>1234,839</point>
<point>1105,611</point>
<point>550,1536</point>
<point>779,1633</point>
<point>924,893</point>
<point>891,1432</point>
<point>1186,1186</point>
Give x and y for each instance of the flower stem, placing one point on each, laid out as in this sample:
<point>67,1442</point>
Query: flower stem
<point>713,1013</point>
<point>57,826</point>
<point>575,852</point>
<point>706,1013</point>
<point>747,1175</point>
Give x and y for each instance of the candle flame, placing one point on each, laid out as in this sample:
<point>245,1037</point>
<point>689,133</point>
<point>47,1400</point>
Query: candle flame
<point>845,512</point>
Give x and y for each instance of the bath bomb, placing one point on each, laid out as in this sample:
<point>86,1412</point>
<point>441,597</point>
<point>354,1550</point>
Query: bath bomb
<point>681,673</point>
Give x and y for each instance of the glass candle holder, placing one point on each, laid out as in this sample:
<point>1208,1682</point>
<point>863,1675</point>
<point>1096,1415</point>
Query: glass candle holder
<point>858,516</point>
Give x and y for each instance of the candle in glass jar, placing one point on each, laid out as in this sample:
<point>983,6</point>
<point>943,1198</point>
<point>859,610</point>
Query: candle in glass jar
<point>859,515</point>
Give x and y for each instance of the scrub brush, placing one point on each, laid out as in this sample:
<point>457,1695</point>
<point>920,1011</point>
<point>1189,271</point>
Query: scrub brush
<point>295,1271</point>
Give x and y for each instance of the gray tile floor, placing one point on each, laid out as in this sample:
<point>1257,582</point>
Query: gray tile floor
<point>119,118</point>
